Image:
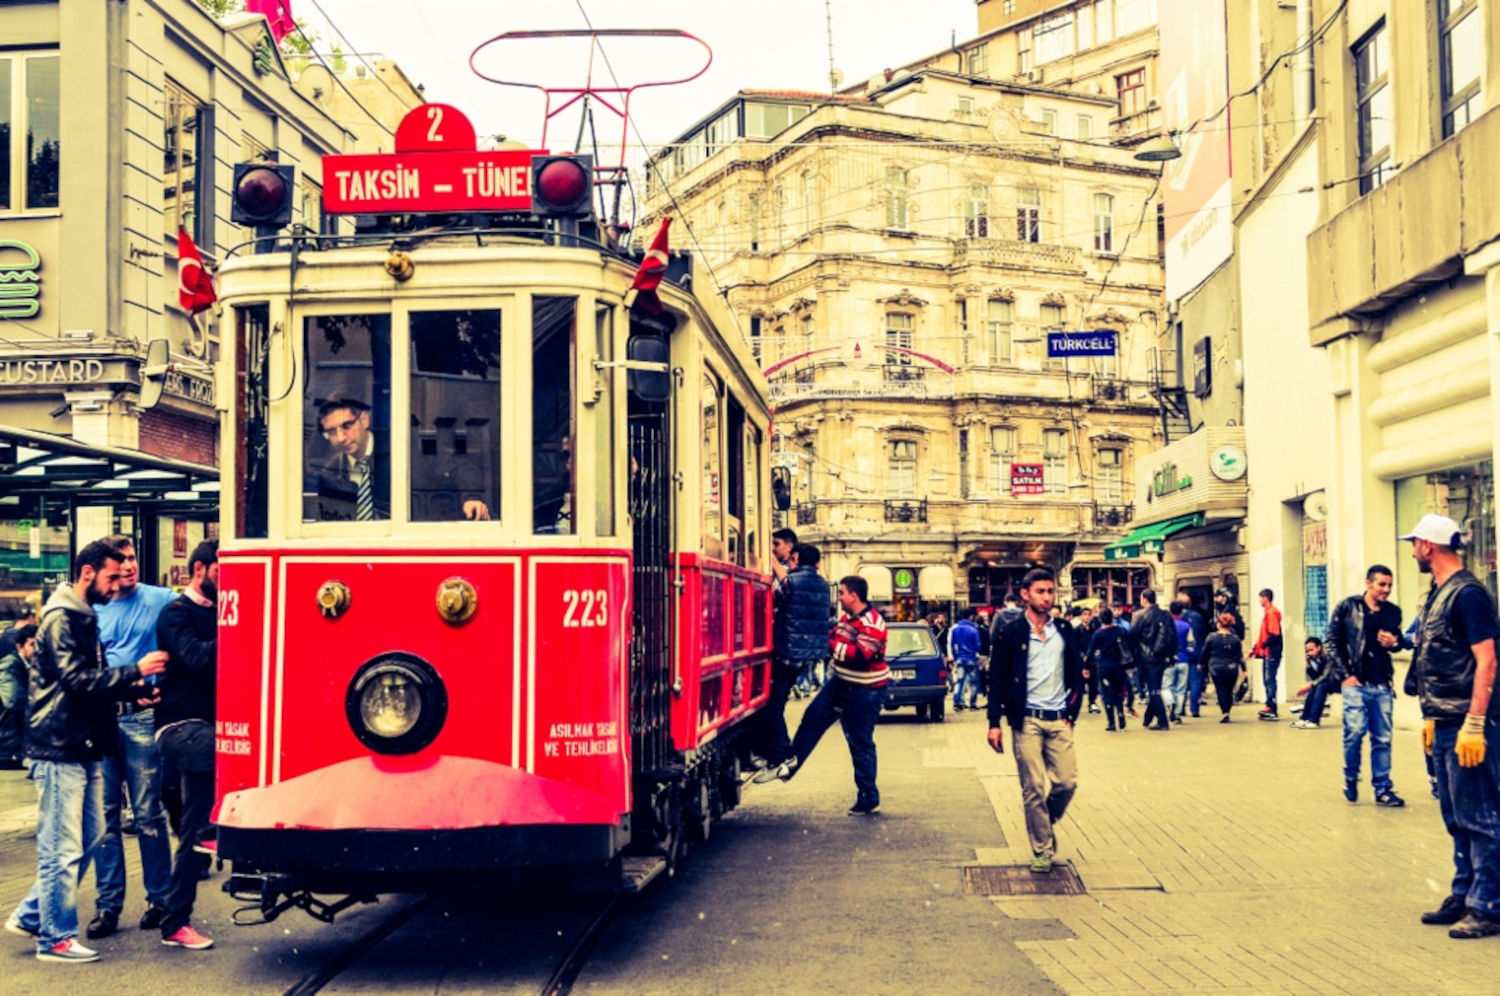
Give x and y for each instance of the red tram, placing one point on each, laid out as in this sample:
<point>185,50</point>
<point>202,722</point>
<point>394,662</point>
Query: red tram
<point>494,572</point>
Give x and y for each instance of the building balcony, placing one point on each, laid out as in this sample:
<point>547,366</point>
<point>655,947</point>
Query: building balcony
<point>906,510</point>
<point>1018,254</point>
<point>893,373</point>
<point>1112,514</point>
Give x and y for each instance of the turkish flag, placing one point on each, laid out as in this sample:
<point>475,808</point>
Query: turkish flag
<point>278,16</point>
<point>195,290</point>
<point>653,268</point>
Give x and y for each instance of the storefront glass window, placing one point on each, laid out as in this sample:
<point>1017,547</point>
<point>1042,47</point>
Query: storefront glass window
<point>1467,496</point>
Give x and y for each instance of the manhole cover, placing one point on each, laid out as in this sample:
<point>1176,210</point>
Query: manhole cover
<point>1019,880</point>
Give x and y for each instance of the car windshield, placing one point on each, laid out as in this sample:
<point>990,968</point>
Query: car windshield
<point>916,641</point>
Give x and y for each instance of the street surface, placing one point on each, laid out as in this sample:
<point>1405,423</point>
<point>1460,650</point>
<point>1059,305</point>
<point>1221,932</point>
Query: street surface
<point>1220,857</point>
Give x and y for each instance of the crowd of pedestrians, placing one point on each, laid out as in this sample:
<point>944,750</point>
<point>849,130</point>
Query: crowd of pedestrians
<point>110,673</point>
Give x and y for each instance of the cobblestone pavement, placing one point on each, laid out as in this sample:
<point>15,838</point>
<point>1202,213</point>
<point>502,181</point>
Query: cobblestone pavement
<point>1224,857</point>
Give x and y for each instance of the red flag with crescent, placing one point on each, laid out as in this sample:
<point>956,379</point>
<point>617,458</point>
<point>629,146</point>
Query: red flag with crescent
<point>653,268</point>
<point>195,289</point>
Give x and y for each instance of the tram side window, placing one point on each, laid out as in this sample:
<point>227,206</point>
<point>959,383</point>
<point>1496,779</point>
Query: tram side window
<point>734,435</point>
<point>752,473</point>
<point>455,415</point>
<point>553,321</point>
<point>346,439</point>
<point>713,515</point>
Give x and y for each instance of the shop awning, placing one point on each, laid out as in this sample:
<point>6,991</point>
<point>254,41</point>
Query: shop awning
<point>879,580</point>
<point>1152,538</point>
<point>935,583</point>
<point>39,470</point>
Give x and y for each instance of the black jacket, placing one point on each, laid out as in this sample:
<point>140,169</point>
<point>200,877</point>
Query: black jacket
<point>800,622</point>
<point>1009,655</point>
<point>1155,636</point>
<point>1443,663</point>
<point>188,632</point>
<point>1344,642</point>
<point>12,705</point>
<point>72,694</point>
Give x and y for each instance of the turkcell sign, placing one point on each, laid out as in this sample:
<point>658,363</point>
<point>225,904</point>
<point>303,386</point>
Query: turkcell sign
<point>428,182</point>
<point>1082,344</point>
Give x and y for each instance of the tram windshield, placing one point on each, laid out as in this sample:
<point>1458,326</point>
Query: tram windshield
<point>347,418</point>
<point>454,437</point>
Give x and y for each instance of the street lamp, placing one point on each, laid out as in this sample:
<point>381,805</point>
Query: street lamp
<point>1158,150</point>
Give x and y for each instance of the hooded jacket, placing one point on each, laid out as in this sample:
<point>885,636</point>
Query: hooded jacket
<point>70,706</point>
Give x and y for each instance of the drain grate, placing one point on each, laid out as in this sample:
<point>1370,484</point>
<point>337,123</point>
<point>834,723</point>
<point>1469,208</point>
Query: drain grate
<point>1019,880</point>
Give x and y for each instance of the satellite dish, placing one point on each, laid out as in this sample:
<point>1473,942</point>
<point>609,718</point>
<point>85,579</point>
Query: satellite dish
<point>835,78</point>
<point>1315,506</point>
<point>153,374</point>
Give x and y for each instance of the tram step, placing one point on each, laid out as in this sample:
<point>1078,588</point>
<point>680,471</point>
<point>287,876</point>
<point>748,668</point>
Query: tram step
<point>637,872</point>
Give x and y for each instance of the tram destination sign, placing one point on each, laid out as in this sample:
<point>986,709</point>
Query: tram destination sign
<point>428,182</point>
<point>1064,344</point>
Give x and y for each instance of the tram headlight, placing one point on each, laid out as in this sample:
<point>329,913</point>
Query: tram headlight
<point>396,704</point>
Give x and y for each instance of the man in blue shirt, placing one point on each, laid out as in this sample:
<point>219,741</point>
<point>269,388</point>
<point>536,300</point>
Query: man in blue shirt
<point>127,628</point>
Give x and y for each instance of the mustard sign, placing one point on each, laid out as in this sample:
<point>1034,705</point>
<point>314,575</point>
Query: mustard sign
<point>20,287</point>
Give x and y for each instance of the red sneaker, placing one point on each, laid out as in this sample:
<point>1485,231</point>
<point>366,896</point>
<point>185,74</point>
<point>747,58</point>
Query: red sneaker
<point>187,937</point>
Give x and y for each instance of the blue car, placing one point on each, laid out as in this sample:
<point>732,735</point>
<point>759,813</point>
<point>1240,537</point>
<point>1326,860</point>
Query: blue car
<point>919,676</point>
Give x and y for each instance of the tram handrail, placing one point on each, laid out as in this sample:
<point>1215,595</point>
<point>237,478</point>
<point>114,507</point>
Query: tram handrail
<point>377,238</point>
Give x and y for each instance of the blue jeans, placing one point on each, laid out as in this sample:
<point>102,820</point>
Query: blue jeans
<point>70,820</point>
<point>1368,708</point>
<point>1174,688</point>
<point>968,678</point>
<point>855,708</point>
<point>1470,802</point>
<point>1268,668</point>
<point>138,766</point>
<point>1317,697</point>
<point>1194,688</point>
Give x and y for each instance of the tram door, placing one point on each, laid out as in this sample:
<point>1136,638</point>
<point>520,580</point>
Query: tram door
<point>651,527</point>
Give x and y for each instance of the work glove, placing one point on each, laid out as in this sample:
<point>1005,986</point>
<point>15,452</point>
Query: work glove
<point>1470,745</point>
<point>1429,731</point>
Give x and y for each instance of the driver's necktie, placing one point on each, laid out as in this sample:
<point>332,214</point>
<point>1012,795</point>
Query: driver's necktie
<point>364,500</point>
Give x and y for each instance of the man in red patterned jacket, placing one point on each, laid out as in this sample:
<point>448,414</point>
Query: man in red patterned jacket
<point>853,696</point>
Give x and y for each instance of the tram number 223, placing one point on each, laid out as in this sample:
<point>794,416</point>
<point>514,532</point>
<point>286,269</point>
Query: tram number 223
<point>229,607</point>
<point>584,608</point>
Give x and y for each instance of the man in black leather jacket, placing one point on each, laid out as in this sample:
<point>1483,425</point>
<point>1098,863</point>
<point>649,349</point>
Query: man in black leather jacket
<point>70,725</point>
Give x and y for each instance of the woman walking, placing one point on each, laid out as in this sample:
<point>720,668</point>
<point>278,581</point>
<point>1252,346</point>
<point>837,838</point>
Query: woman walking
<point>1223,656</point>
<point>1106,657</point>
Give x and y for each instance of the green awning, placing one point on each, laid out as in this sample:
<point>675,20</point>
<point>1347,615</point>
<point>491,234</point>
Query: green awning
<point>1152,538</point>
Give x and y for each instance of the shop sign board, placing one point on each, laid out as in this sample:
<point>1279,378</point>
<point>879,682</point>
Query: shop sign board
<point>905,580</point>
<point>20,286</point>
<point>1026,479</point>
<point>1065,344</point>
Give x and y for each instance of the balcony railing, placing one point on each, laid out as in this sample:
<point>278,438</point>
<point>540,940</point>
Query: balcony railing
<point>906,511</point>
<point>895,373</point>
<point>1111,515</point>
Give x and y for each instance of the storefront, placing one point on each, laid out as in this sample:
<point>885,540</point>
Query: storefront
<point>1195,496</point>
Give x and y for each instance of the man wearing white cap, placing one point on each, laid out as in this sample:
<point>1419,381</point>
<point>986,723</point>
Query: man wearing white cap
<point>1453,672</point>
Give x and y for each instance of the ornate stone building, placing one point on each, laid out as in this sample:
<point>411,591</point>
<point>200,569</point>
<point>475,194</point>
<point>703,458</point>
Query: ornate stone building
<point>896,256</point>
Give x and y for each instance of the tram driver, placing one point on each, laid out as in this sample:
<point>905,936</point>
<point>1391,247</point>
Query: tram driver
<point>356,473</point>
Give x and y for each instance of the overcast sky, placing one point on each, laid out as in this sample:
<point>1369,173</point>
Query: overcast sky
<point>759,44</point>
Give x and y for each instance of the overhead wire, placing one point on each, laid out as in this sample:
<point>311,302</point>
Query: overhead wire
<point>671,194</point>
<point>324,62</point>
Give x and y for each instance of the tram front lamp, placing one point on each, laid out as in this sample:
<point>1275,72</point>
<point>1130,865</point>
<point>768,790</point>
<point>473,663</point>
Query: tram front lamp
<point>396,704</point>
<point>262,194</point>
<point>562,186</point>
